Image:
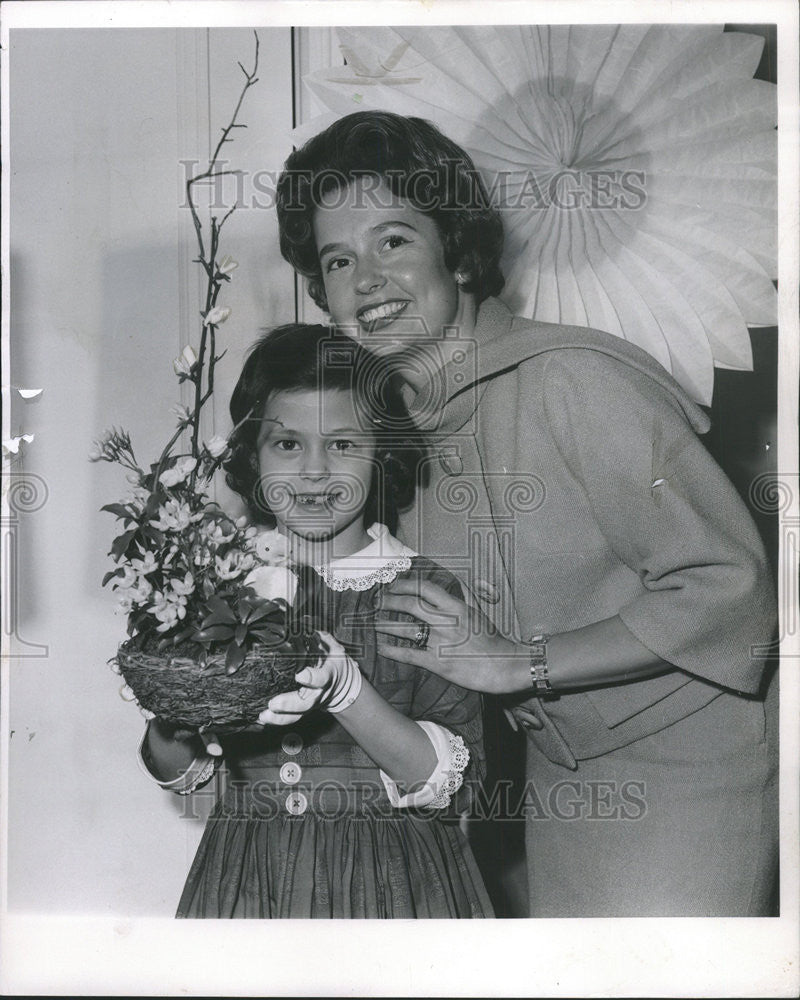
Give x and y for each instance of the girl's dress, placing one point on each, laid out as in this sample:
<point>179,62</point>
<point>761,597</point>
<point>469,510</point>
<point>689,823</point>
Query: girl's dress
<point>308,825</point>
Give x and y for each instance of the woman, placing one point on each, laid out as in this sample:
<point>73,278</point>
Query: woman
<point>622,586</point>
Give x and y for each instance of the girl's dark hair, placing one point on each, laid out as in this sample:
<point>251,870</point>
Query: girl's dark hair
<point>418,164</point>
<point>299,356</point>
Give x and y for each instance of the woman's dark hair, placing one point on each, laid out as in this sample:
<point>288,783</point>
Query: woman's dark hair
<point>297,357</point>
<point>418,164</point>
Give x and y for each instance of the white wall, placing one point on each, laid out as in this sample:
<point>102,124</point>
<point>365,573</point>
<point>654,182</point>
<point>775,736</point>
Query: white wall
<point>103,297</point>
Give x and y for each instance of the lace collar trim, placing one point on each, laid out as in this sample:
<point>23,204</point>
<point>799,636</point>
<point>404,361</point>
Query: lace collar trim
<point>378,562</point>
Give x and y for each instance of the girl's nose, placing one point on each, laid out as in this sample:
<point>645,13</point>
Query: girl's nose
<point>315,465</point>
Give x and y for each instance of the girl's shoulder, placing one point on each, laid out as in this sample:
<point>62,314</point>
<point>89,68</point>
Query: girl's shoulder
<point>423,568</point>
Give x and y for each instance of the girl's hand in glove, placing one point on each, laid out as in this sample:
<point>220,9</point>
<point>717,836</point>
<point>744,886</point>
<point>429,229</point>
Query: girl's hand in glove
<point>330,686</point>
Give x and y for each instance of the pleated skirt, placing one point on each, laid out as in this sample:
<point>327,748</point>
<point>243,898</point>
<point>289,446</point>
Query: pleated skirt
<point>359,865</point>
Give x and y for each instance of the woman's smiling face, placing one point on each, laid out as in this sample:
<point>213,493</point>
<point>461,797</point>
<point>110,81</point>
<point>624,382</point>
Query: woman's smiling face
<point>383,267</point>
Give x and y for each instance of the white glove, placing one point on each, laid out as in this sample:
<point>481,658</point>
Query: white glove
<point>330,686</point>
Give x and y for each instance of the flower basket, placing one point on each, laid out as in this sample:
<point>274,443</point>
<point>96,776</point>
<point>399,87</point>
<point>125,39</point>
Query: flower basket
<point>186,692</point>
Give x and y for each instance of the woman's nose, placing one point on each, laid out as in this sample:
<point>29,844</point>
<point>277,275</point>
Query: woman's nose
<point>369,277</point>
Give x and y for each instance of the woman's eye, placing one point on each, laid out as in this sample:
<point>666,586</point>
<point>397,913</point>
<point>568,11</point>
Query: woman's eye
<point>286,444</point>
<point>394,241</point>
<point>343,444</point>
<point>336,264</point>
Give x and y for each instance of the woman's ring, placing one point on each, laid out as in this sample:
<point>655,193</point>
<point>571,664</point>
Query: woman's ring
<point>420,640</point>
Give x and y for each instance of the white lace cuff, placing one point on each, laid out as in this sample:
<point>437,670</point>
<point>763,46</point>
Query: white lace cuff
<point>196,774</point>
<point>452,758</point>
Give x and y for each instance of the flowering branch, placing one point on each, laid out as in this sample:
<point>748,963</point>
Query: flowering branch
<point>213,314</point>
<point>180,559</point>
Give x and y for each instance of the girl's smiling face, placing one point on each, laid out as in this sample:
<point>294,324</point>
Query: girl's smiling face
<point>383,267</point>
<point>316,468</point>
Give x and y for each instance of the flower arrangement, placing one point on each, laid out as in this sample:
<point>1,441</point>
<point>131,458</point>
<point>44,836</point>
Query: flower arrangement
<point>208,599</point>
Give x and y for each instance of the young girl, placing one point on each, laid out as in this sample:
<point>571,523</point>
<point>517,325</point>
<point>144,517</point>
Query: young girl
<point>340,806</point>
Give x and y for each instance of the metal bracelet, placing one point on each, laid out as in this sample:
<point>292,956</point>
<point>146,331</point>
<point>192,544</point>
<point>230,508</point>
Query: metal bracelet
<point>540,677</point>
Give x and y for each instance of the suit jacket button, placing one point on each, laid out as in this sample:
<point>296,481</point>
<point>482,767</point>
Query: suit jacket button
<point>486,591</point>
<point>530,721</point>
<point>451,463</point>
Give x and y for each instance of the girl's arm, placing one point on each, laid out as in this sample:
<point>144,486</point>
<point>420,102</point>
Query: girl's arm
<point>398,745</point>
<point>165,756</point>
<point>176,763</point>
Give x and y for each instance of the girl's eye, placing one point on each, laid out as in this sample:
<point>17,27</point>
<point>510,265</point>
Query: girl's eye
<point>343,444</point>
<point>286,444</point>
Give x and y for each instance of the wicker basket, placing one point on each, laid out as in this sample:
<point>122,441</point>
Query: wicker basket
<point>183,691</point>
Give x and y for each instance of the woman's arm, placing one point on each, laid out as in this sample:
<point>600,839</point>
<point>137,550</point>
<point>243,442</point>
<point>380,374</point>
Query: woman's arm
<point>464,647</point>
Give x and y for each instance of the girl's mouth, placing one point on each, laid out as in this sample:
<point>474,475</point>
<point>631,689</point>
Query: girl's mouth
<point>316,501</point>
<point>378,317</point>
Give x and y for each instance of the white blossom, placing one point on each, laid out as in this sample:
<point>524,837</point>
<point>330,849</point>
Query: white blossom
<point>169,608</point>
<point>227,264</point>
<point>216,315</point>
<point>218,532</point>
<point>216,446</point>
<point>184,364</point>
<point>181,411</point>
<point>183,587</point>
<point>145,566</point>
<point>273,582</point>
<point>128,578</point>
<point>271,547</point>
<point>231,565</point>
<point>178,472</point>
<point>175,516</point>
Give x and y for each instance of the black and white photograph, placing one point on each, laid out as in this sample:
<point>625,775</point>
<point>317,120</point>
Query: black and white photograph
<point>400,508</point>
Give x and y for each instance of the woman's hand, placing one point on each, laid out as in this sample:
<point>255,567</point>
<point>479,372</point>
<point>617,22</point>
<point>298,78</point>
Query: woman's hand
<point>331,686</point>
<point>459,643</point>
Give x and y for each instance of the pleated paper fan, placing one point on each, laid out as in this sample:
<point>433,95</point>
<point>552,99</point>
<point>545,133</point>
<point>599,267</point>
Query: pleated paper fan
<point>635,166</point>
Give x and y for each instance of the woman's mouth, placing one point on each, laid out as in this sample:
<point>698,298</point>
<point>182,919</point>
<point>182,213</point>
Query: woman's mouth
<point>378,317</point>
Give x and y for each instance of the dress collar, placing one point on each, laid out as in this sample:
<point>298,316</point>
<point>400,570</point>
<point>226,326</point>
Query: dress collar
<point>378,562</point>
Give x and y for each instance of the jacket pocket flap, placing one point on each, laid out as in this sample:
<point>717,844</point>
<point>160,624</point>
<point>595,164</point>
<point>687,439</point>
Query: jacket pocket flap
<point>619,703</point>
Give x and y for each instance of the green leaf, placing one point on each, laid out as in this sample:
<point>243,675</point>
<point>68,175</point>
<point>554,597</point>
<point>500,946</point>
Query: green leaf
<point>214,633</point>
<point>111,574</point>
<point>218,619</point>
<point>119,509</point>
<point>270,637</point>
<point>120,544</point>
<point>240,634</point>
<point>234,658</point>
<point>221,608</point>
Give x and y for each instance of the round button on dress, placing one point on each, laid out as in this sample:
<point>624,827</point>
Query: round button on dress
<point>292,743</point>
<point>291,773</point>
<point>296,803</point>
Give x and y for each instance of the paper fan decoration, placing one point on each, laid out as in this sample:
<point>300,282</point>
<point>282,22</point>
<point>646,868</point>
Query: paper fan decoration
<point>635,166</point>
